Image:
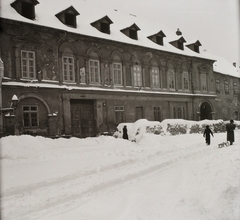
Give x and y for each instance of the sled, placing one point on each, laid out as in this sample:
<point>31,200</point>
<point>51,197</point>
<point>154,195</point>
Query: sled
<point>223,144</point>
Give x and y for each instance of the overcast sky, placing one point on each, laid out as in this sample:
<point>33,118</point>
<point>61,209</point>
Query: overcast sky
<point>215,23</point>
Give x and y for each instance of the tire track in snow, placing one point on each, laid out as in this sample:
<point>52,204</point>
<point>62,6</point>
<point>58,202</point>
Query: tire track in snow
<point>66,195</point>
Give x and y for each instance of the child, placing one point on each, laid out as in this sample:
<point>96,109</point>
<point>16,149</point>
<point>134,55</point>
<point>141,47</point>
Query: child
<point>207,133</point>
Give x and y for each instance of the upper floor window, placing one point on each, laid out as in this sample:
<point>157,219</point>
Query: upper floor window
<point>28,64</point>
<point>137,75</point>
<point>155,77</point>
<point>68,16</point>
<point>131,31</point>
<point>94,71</point>
<point>103,24</point>
<point>171,79</point>
<point>68,69</point>
<point>157,38</point>
<point>217,85</point>
<point>26,8</point>
<point>117,73</point>
<point>235,90</point>
<point>30,116</point>
<point>226,87</point>
<point>185,80</point>
<point>204,82</point>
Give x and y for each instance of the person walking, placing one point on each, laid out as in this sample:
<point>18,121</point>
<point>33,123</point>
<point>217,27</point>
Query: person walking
<point>125,134</point>
<point>230,127</point>
<point>207,133</point>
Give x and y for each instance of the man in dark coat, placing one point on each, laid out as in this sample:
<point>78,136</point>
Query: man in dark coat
<point>230,127</point>
<point>207,133</point>
<point>125,134</point>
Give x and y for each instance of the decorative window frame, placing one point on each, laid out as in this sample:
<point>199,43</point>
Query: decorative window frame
<point>26,66</point>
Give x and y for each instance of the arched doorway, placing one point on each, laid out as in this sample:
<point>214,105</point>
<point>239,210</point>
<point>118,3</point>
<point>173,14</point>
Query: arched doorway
<point>205,111</point>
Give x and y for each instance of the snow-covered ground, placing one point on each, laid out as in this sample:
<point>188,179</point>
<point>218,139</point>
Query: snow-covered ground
<point>159,177</point>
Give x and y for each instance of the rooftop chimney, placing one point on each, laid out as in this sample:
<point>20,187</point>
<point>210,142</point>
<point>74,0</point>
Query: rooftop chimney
<point>178,32</point>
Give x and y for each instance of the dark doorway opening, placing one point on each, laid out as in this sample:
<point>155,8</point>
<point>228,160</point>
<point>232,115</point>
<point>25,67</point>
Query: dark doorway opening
<point>82,118</point>
<point>205,111</point>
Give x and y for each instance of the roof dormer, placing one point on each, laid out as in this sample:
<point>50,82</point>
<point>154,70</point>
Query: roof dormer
<point>178,43</point>
<point>157,38</point>
<point>103,24</point>
<point>68,16</point>
<point>131,31</point>
<point>194,46</point>
<point>26,8</point>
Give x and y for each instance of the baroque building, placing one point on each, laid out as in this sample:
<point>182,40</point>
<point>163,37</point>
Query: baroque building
<point>79,71</point>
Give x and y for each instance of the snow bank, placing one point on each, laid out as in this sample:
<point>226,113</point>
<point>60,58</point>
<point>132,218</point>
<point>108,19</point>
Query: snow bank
<point>137,129</point>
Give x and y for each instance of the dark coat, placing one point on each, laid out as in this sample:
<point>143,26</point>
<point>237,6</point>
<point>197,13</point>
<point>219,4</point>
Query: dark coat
<point>125,134</point>
<point>206,134</point>
<point>230,127</point>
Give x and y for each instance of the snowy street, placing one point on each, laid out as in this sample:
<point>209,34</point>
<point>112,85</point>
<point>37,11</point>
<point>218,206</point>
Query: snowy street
<point>159,177</point>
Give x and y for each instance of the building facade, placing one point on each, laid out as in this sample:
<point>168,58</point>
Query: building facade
<point>80,85</point>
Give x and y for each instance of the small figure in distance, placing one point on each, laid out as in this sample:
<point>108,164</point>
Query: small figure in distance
<point>230,127</point>
<point>125,134</point>
<point>207,133</point>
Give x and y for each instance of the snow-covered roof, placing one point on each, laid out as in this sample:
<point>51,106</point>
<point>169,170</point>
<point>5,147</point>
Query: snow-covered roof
<point>89,12</point>
<point>223,66</point>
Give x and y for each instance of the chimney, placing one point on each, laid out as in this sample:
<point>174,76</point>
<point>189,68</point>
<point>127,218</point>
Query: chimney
<point>234,64</point>
<point>178,32</point>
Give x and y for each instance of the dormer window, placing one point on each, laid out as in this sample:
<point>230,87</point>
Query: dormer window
<point>194,46</point>
<point>178,43</point>
<point>68,16</point>
<point>157,38</point>
<point>103,24</point>
<point>26,8</point>
<point>131,31</point>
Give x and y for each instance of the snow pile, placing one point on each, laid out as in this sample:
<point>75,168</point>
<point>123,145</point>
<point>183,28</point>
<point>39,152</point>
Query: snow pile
<point>137,129</point>
<point>159,177</point>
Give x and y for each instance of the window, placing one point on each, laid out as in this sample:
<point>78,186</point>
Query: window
<point>105,27</point>
<point>217,85</point>
<point>28,10</point>
<point>133,34</point>
<point>68,69</point>
<point>180,45</point>
<point>70,19</point>
<point>185,80</point>
<point>179,112</point>
<point>137,75</point>
<point>117,74</point>
<point>30,116</point>
<point>171,79</point>
<point>155,77</point>
<point>28,64</point>
<point>94,71</point>
<point>235,88</point>
<point>196,48</point>
<point>157,113</point>
<point>159,40</point>
<point>204,82</point>
<point>119,111</point>
<point>226,87</point>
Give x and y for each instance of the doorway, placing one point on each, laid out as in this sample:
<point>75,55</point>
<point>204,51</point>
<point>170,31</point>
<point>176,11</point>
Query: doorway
<point>139,113</point>
<point>205,111</point>
<point>82,118</point>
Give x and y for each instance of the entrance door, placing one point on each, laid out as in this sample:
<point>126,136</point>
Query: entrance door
<point>82,118</point>
<point>205,111</point>
<point>139,113</point>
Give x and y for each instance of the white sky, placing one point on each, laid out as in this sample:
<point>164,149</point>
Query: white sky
<point>214,22</point>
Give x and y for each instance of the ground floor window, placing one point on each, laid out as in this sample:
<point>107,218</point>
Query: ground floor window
<point>179,112</point>
<point>157,112</point>
<point>119,114</point>
<point>30,116</point>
